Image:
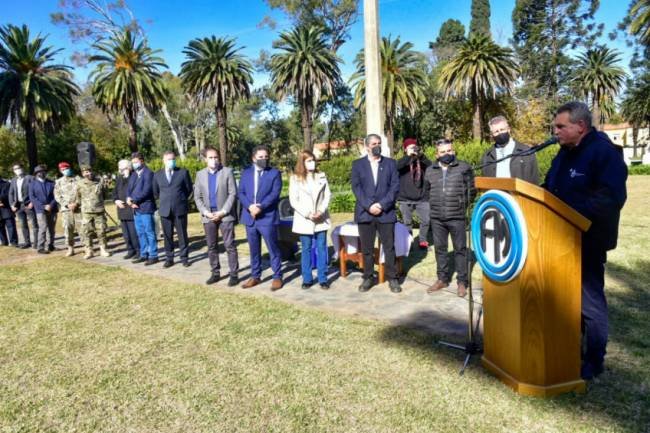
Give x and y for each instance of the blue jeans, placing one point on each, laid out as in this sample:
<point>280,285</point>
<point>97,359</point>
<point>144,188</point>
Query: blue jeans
<point>321,257</point>
<point>146,235</point>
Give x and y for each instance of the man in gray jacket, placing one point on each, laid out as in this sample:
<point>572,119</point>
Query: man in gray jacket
<point>215,195</point>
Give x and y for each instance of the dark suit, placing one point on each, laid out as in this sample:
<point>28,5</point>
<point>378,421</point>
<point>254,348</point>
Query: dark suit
<point>23,211</point>
<point>367,193</point>
<point>521,167</point>
<point>126,214</point>
<point>140,191</point>
<point>173,195</point>
<point>8,233</point>
<point>265,225</point>
<point>42,194</point>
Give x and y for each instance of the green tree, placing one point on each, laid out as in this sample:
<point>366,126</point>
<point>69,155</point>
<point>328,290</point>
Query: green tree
<point>403,73</point>
<point>479,71</point>
<point>640,20</point>
<point>635,107</point>
<point>216,71</point>
<point>127,79</point>
<point>450,38</point>
<point>480,23</point>
<point>307,69</point>
<point>599,78</point>
<point>35,93</point>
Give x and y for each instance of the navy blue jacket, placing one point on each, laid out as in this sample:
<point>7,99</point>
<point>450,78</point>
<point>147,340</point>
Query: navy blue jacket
<point>268,196</point>
<point>173,197</point>
<point>140,190</point>
<point>385,192</point>
<point>591,179</point>
<point>41,194</point>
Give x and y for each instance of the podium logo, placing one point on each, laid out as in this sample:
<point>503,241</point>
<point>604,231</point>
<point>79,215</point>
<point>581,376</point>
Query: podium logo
<point>499,236</point>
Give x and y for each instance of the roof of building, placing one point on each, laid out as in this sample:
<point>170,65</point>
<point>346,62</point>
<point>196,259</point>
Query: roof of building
<point>615,126</point>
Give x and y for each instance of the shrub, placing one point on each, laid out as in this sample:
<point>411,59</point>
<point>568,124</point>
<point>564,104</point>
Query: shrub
<point>639,170</point>
<point>338,169</point>
<point>342,202</point>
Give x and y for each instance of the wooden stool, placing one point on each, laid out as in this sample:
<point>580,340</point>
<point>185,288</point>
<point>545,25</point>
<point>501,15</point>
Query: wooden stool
<point>357,258</point>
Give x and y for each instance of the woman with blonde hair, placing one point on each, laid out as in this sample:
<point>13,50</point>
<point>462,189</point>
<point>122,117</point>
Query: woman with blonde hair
<point>309,195</point>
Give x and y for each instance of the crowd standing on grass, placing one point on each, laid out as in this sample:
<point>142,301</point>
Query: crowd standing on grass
<point>588,173</point>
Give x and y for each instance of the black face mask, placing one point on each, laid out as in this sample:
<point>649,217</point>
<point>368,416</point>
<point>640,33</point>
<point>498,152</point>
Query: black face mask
<point>502,139</point>
<point>40,175</point>
<point>261,163</point>
<point>376,151</point>
<point>447,159</point>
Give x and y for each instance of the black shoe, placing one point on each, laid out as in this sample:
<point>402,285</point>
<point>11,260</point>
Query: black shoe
<point>43,251</point>
<point>394,286</point>
<point>186,264</point>
<point>51,248</point>
<point>325,286</point>
<point>138,260</point>
<point>168,264</point>
<point>305,286</point>
<point>24,246</point>
<point>15,245</point>
<point>233,281</point>
<point>588,371</point>
<point>129,256</point>
<point>366,285</point>
<point>213,279</point>
<point>151,261</point>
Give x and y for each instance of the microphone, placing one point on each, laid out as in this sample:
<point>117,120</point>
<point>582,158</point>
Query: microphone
<point>544,145</point>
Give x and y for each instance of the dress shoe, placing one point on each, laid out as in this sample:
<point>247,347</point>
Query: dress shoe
<point>233,281</point>
<point>366,285</point>
<point>252,282</point>
<point>424,245</point>
<point>168,264</point>
<point>129,255</point>
<point>51,248</point>
<point>25,246</point>
<point>394,286</point>
<point>138,260</point>
<point>213,279</point>
<point>462,290</point>
<point>150,262</point>
<point>276,284</point>
<point>306,286</point>
<point>325,286</point>
<point>15,245</point>
<point>186,264</point>
<point>438,285</point>
<point>43,251</point>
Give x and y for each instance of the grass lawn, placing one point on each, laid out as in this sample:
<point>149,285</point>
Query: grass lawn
<point>90,348</point>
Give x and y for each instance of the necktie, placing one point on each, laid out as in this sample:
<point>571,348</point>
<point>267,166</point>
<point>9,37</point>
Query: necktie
<point>169,176</point>
<point>259,179</point>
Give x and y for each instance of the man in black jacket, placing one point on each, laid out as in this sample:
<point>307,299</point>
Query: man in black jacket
<point>8,234</point>
<point>173,187</point>
<point>411,168</point>
<point>449,185</point>
<point>522,167</point>
<point>124,212</point>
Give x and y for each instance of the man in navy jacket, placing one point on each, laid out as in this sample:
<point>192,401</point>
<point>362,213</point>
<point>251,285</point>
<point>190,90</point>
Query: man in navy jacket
<point>141,199</point>
<point>589,174</point>
<point>259,194</point>
<point>375,183</point>
<point>41,195</point>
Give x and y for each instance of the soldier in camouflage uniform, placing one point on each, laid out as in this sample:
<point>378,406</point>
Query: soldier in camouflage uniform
<point>65,193</point>
<point>91,193</point>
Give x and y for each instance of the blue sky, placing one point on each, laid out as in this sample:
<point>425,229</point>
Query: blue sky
<point>171,24</point>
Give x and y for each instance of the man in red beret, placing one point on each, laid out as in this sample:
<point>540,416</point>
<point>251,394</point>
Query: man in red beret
<point>65,193</point>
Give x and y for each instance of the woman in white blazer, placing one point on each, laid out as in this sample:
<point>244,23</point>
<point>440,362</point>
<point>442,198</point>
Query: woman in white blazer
<point>309,195</point>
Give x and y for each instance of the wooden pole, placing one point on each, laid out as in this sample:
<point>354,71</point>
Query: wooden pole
<point>374,109</point>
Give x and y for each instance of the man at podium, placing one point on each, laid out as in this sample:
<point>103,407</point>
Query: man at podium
<point>589,174</point>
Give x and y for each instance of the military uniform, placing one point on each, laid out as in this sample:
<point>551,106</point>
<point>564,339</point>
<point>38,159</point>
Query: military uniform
<point>65,193</point>
<point>90,193</point>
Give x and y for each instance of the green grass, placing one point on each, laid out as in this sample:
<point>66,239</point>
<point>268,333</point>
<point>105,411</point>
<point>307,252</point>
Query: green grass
<point>90,348</point>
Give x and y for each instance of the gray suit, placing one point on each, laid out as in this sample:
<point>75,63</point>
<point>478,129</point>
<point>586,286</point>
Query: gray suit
<point>226,202</point>
<point>22,211</point>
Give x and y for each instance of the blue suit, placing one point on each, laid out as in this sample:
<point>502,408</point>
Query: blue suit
<point>140,191</point>
<point>41,194</point>
<point>265,225</point>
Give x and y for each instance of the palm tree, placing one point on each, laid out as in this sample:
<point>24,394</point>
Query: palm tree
<point>34,92</point>
<point>635,107</point>
<point>639,15</point>
<point>480,70</point>
<point>307,69</point>
<point>127,79</point>
<point>599,78</point>
<point>215,70</point>
<point>403,81</point>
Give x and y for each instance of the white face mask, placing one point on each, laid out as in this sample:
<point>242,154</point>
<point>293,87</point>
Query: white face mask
<point>19,172</point>
<point>310,165</point>
<point>213,163</point>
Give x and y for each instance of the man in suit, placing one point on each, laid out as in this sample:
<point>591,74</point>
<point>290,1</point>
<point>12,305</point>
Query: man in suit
<point>8,235</point>
<point>259,194</point>
<point>375,184</point>
<point>141,199</point>
<point>41,194</point>
<point>215,195</point>
<point>21,205</point>
<point>124,212</point>
<point>522,167</point>
<point>172,186</point>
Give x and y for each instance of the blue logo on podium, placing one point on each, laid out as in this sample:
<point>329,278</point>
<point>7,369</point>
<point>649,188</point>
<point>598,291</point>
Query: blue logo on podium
<point>499,236</point>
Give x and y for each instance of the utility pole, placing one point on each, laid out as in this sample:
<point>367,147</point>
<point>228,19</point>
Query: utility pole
<point>374,109</point>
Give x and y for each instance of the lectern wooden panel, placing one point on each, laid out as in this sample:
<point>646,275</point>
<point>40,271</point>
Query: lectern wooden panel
<point>532,323</point>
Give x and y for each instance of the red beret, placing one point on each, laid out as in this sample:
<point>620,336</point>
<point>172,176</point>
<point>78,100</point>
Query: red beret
<point>63,165</point>
<point>408,142</point>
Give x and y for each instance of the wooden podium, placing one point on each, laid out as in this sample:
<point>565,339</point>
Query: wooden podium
<point>532,323</point>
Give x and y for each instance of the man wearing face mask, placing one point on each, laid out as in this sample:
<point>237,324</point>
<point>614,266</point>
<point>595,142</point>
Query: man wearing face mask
<point>65,193</point>
<point>21,205</point>
<point>215,195</point>
<point>259,194</point>
<point>124,212</point>
<point>411,168</point>
<point>140,198</point>
<point>447,184</point>
<point>521,167</point>
<point>172,186</point>
<point>8,234</point>
<point>375,184</point>
<point>91,194</point>
<point>41,195</point>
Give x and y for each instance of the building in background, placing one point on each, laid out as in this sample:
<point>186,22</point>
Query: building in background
<point>622,134</point>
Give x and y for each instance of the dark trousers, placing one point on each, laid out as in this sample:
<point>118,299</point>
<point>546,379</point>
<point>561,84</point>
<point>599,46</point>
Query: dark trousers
<point>422,209</point>
<point>24,215</point>
<point>594,305</point>
<point>46,229</point>
<point>212,239</point>
<point>441,232</point>
<point>269,233</point>
<point>130,236</point>
<point>8,234</point>
<point>367,233</point>
<point>169,223</point>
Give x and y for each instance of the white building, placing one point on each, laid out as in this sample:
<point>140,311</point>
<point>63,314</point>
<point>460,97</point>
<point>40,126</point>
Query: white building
<point>622,135</point>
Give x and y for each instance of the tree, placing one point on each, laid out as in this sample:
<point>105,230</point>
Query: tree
<point>636,105</point>
<point>640,20</point>
<point>403,76</point>
<point>599,78</point>
<point>305,68</point>
<point>127,79</point>
<point>450,38</point>
<point>479,71</point>
<point>34,92</point>
<point>480,23</point>
<point>215,71</point>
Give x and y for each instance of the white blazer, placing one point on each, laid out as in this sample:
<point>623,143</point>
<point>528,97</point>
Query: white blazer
<point>307,198</point>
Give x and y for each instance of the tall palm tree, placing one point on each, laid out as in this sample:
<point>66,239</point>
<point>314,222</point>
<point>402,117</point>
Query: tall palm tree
<point>214,69</point>
<point>639,15</point>
<point>599,78</point>
<point>635,107</point>
<point>307,69</point>
<point>403,81</point>
<point>127,79</point>
<point>34,92</point>
<point>480,70</point>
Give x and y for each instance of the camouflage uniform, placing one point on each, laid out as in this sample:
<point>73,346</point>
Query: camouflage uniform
<point>90,194</point>
<point>65,193</point>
